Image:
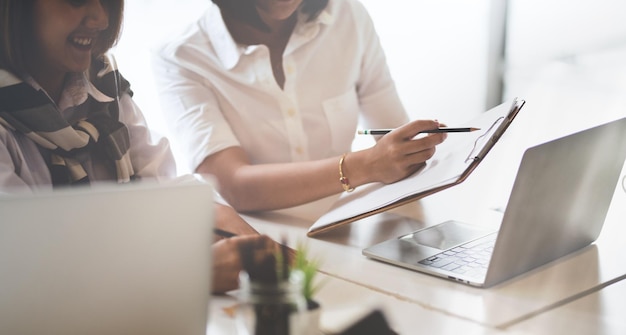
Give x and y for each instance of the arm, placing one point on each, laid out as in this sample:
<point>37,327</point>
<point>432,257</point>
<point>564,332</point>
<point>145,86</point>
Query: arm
<point>9,180</point>
<point>22,167</point>
<point>250,187</point>
<point>228,220</point>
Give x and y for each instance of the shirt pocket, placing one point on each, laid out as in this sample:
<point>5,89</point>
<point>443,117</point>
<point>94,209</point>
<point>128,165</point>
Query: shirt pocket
<point>342,114</point>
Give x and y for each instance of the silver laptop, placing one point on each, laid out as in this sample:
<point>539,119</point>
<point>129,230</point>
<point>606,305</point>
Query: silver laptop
<point>558,205</point>
<point>118,259</point>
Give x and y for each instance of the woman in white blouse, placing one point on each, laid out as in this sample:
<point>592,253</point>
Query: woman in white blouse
<point>266,95</point>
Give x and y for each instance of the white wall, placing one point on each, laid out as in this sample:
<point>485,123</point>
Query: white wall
<point>579,42</point>
<point>437,52</point>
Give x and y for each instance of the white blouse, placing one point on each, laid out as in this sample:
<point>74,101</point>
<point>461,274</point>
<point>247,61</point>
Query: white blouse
<point>217,94</point>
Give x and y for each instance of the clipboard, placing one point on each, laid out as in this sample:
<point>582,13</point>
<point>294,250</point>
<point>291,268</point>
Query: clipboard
<point>453,162</point>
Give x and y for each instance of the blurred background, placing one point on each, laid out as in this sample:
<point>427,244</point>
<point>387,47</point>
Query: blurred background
<point>451,59</point>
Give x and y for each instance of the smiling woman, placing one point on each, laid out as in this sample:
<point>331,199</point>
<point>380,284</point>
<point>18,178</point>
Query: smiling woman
<point>69,33</point>
<point>67,117</point>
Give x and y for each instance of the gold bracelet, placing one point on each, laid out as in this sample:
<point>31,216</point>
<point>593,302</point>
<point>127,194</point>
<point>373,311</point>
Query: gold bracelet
<point>345,183</point>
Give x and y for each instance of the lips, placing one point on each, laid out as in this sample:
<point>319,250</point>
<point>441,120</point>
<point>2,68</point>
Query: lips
<point>82,42</point>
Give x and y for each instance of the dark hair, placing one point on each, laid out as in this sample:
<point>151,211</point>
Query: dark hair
<point>17,31</point>
<point>245,10</point>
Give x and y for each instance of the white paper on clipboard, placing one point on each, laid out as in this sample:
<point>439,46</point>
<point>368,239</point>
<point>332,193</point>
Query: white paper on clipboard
<point>453,161</point>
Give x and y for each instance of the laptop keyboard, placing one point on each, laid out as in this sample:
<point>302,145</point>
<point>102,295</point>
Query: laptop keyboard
<point>471,259</point>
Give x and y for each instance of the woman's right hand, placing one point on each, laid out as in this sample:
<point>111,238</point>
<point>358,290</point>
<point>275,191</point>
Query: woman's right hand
<point>397,154</point>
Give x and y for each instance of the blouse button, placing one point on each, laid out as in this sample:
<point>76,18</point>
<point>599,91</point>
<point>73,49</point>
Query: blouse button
<point>289,69</point>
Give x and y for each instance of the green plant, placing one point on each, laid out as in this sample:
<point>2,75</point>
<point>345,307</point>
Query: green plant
<point>309,268</point>
<point>301,262</point>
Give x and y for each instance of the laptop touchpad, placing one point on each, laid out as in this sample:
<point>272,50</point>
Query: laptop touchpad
<point>446,235</point>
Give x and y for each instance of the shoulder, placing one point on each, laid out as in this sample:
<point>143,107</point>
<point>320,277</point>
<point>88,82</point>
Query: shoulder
<point>193,38</point>
<point>348,19</point>
<point>205,47</point>
<point>189,38</point>
<point>341,8</point>
<point>349,14</point>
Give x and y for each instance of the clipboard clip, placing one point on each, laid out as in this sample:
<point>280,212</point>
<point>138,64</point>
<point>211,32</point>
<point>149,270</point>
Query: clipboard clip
<point>505,122</point>
<point>473,156</point>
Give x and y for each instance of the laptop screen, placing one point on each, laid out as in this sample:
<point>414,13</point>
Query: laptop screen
<point>112,259</point>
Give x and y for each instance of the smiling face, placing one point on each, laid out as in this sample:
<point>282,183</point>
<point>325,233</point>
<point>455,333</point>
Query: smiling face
<point>66,32</point>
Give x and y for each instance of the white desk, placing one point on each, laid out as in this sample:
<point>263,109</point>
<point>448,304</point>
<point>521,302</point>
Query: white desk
<point>409,296</point>
<point>447,307</point>
<point>343,302</point>
<point>523,304</point>
<point>601,312</point>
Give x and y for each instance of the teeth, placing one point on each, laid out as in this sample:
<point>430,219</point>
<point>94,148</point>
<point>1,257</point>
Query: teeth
<point>84,41</point>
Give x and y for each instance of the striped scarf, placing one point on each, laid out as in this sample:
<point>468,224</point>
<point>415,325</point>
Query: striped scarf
<point>33,113</point>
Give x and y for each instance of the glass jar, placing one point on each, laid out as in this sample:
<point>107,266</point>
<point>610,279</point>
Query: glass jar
<point>271,309</point>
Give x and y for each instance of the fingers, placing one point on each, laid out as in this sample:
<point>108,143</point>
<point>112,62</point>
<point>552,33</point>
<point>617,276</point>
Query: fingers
<point>226,266</point>
<point>422,149</point>
<point>258,246</point>
<point>406,144</point>
<point>401,152</point>
<point>231,254</point>
<point>413,128</point>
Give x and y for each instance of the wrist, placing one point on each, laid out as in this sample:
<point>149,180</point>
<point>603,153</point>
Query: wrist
<point>343,176</point>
